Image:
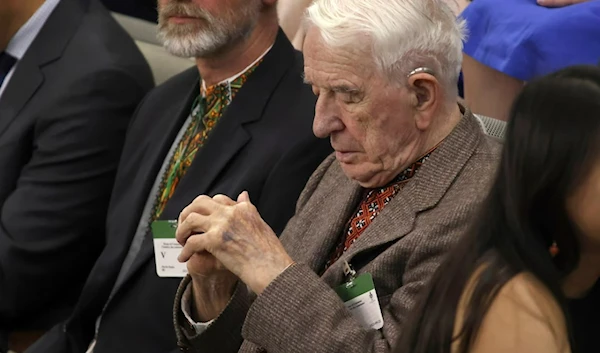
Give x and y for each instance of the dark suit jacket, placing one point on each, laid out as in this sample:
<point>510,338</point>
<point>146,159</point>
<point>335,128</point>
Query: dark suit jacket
<point>263,144</point>
<point>63,118</point>
<point>299,312</point>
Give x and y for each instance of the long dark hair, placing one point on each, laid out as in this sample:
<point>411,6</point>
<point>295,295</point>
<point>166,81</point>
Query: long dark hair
<point>552,139</point>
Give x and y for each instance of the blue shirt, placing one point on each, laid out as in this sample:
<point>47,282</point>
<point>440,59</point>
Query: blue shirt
<point>524,40</point>
<point>22,40</point>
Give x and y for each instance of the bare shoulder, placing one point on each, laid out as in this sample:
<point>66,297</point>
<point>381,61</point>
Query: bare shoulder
<point>524,317</point>
<point>527,292</point>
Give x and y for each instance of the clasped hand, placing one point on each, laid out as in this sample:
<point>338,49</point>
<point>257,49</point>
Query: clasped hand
<point>222,237</point>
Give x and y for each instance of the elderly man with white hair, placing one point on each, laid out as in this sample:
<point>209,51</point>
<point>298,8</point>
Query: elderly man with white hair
<point>376,218</point>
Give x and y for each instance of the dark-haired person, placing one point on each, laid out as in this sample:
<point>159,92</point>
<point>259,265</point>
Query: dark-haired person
<point>532,259</point>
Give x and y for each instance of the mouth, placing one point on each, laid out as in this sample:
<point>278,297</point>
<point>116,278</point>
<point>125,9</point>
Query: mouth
<point>344,156</point>
<point>179,19</point>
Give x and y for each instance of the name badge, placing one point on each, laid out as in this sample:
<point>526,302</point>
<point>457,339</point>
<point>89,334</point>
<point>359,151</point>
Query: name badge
<point>359,296</point>
<point>167,249</point>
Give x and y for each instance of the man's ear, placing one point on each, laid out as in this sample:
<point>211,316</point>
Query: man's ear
<point>425,97</point>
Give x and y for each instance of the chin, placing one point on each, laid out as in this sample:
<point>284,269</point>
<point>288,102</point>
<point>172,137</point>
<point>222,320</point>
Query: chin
<point>359,175</point>
<point>366,179</point>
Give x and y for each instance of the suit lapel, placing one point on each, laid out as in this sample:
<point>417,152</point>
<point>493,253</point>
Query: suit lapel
<point>154,151</point>
<point>314,244</point>
<point>155,148</point>
<point>422,193</point>
<point>47,47</point>
<point>27,79</point>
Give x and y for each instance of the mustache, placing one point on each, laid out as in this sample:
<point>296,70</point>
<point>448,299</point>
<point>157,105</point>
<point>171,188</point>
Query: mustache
<point>174,9</point>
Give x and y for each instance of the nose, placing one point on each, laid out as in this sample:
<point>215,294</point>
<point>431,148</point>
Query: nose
<point>327,117</point>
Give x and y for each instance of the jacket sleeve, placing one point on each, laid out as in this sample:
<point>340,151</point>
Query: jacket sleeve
<point>52,223</point>
<point>300,313</point>
<point>224,335</point>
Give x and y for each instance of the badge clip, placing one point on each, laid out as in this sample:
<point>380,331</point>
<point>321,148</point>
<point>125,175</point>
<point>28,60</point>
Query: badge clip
<point>350,274</point>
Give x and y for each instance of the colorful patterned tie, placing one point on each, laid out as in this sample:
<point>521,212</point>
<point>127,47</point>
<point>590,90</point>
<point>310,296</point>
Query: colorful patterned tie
<point>371,206</point>
<point>206,112</point>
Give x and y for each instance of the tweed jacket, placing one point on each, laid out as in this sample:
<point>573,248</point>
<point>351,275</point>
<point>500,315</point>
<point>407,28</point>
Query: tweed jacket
<point>299,312</point>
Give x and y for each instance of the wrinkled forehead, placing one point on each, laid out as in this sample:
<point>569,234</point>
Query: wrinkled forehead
<point>324,63</point>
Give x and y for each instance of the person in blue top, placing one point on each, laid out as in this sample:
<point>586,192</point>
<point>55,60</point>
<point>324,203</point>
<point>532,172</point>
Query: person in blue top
<point>513,41</point>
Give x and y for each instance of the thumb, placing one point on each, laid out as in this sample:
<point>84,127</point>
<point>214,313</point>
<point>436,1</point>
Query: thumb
<point>243,197</point>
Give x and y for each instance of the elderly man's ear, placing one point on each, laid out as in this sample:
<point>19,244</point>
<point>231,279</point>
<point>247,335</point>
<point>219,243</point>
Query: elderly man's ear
<point>425,98</point>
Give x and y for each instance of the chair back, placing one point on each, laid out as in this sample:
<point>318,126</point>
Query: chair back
<point>163,64</point>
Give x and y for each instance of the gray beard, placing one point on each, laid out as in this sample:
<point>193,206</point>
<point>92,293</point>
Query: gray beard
<point>193,45</point>
<point>188,41</point>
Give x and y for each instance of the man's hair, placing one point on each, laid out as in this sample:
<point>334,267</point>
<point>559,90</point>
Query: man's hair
<point>404,34</point>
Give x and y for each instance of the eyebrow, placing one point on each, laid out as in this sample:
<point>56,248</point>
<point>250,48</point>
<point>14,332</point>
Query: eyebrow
<point>344,89</point>
<point>335,88</point>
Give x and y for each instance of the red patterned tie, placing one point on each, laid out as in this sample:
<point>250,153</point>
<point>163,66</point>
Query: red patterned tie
<point>371,205</point>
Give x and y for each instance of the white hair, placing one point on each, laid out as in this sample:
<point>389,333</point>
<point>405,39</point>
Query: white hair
<point>404,34</point>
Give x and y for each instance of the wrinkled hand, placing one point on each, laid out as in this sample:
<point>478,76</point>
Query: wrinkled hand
<point>559,3</point>
<point>203,264</point>
<point>235,234</point>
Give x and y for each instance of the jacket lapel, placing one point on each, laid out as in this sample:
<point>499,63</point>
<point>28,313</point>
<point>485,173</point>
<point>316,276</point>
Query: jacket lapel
<point>48,46</point>
<point>28,78</point>
<point>422,193</point>
<point>314,244</point>
<point>154,150</point>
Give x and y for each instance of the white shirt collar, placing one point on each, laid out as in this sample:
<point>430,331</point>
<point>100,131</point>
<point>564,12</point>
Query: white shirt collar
<point>232,78</point>
<point>22,40</point>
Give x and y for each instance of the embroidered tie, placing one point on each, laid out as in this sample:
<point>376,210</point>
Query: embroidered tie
<point>371,206</point>
<point>6,64</point>
<point>206,112</point>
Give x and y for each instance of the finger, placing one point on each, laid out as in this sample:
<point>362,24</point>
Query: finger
<point>194,223</point>
<point>244,197</point>
<point>202,204</point>
<point>194,245</point>
<point>224,200</point>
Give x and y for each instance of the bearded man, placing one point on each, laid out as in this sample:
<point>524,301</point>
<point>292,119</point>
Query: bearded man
<point>239,122</point>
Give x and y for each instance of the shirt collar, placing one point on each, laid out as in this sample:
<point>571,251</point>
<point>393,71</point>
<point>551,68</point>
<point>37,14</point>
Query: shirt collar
<point>232,78</point>
<point>412,170</point>
<point>22,40</point>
